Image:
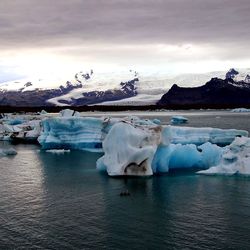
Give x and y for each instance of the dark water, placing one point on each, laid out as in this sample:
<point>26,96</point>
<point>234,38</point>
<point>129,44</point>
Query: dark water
<point>50,201</point>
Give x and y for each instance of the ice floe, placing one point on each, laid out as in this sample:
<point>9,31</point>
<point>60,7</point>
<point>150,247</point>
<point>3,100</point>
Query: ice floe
<point>240,110</point>
<point>235,159</point>
<point>7,152</point>
<point>178,120</point>
<point>198,136</point>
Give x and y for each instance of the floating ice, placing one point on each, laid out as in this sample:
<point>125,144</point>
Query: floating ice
<point>43,112</point>
<point>69,113</point>
<point>235,159</point>
<point>156,121</point>
<point>7,152</point>
<point>148,149</point>
<point>240,110</point>
<point>74,133</point>
<point>176,156</point>
<point>178,120</point>
<point>129,150</point>
<point>57,151</point>
<point>198,136</point>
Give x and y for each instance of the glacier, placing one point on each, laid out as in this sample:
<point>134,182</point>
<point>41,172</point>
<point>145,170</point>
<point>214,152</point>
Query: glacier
<point>235,159</point>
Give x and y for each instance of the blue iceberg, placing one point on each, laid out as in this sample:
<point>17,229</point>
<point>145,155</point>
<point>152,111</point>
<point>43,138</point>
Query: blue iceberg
<point>178,120</point>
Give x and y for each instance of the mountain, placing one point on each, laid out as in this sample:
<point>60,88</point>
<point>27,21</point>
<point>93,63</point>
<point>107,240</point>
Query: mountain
<point>84,89</point>
<point>233,91</point>
<point>127,87</point>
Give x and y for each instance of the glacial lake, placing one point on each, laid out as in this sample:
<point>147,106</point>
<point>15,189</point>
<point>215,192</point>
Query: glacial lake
<point>60,201</point>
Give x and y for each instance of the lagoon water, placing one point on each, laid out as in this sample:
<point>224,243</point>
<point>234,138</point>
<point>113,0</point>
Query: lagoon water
<point>60,201</point>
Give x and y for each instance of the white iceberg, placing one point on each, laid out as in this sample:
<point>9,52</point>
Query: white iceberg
<point>129,150</point>
<point>235,159</point>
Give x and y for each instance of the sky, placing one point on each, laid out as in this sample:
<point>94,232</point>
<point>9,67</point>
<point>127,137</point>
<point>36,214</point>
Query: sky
<point>176,36</point>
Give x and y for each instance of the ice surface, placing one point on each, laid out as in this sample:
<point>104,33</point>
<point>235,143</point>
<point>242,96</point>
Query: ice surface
<point>235,159</point>
<point>15,121</point>
<point>74,133</point>
<point>129,149</point>
<point>198,136</point>
<point>175,156</point>
<point>178,120</point>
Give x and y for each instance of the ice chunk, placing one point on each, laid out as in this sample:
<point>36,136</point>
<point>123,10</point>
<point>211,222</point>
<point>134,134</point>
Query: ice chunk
<point>156,121</point>
<point>235,159</point>
<point>43,112</point>
<point>198,136</point>
<point>57,151</point>
<point>84,133</point>
<point>129,150</point>
<point>178,120</point>
<point>7,152</point>
<point>175,156</point>
<point>240,110</point>
<point>69,113</point>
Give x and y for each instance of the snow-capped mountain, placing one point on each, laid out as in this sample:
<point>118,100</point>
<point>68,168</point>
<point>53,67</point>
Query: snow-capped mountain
<point>233,91</point>
<point>126,87</point>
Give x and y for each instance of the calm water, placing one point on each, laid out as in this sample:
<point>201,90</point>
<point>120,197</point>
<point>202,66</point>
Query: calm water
<point>50,201</point>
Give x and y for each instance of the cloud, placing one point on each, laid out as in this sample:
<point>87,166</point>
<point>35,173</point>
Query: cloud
<point>125,30</point>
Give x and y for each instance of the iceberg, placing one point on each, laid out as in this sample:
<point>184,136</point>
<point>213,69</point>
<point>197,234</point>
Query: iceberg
<point>82,133</point>
<point>198,136</point>
<point>240,110</point>
<point>177,156</point>
<point>7,152</point>
<point>234,160</point>
<point>178,120</point>
<point>69,113</point>
<point>156,149</point>
<point>134,155</point>
<point>134,146</point>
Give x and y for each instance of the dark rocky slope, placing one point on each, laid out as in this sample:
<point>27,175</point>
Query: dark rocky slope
<point>217,93</point>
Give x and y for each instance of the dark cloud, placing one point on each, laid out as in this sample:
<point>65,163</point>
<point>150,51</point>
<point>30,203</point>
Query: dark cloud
<point>99,27</point>
<point>58,22</point>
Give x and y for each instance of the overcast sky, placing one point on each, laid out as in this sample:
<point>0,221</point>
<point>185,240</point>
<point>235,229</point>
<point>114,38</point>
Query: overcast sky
<point>172,35</point>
